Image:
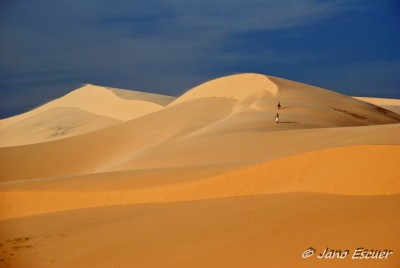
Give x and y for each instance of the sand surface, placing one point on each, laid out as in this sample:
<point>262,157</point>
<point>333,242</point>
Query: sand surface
<point>207,179</point>
<point>254,231</point>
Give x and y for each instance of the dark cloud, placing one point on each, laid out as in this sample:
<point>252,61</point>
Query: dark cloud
<point>169,46</point>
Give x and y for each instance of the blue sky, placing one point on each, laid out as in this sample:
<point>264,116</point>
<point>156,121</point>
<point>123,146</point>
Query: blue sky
<point>50,47</point>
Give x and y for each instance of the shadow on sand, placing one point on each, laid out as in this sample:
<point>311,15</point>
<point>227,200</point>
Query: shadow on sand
<point>283,108</point>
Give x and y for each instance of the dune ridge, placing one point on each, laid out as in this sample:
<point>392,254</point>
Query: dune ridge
<point>162,100</point>
<point>84,110</point>
<point>94,99</point>
<point>236,87</point>
<point>389,104</point>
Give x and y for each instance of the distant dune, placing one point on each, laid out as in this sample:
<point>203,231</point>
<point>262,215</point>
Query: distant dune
<point>162,100</point>
<point>84,110</point>
<point>53,124</point>
<point>389,104</point>
<point>113,177</point>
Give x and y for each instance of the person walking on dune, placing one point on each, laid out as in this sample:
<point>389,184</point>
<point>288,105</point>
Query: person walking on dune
<point>279,105</point>
<point>277,118</point>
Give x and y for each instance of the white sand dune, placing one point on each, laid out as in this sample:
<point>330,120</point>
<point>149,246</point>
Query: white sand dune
<point>204,180</point>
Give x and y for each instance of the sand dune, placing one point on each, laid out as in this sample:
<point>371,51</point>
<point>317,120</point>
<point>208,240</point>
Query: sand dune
<point>236,87</point>
<point>78,112</point>
<point>204,180</point>
<point>389,104</point>
<point>53,124</point>
<point>162,100</point>
<point>94,99</point>
<point>141,153</point>
<point>185,133</point>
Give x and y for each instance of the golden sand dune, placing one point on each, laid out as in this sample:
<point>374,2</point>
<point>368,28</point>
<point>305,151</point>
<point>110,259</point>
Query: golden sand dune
<point>354,170</point>
<point>228,186</point>
<point>254,98</point>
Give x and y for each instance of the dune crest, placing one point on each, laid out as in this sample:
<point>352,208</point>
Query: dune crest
<point>236,87</point>
<point>97,100</point>
<point>84,110</point>
<point>162,100</point>
<point>389,104</point>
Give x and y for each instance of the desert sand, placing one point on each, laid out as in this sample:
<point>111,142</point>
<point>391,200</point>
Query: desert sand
<point>207,179</point>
